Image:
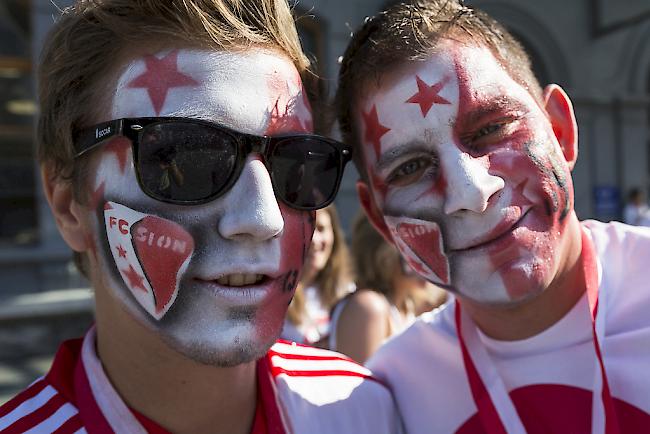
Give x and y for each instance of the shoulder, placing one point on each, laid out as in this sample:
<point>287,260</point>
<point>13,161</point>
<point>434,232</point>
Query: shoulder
<point>40,408</point>
<point>324,391</point>
<point>616,238</point>
<point>367,304</point>
<point>623,250</point>
<point>624,254</point>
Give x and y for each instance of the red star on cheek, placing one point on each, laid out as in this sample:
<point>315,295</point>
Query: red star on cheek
<point>160,76</point>
<point>135,280</point>
<point>427,95</point>
<point>374,130</point>
<point>121,252</point>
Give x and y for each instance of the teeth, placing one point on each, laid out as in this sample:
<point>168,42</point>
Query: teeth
<point>240,279</point>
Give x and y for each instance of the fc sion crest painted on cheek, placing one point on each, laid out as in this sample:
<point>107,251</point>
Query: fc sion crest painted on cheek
<point>150,253</point>
<point>421,245</point>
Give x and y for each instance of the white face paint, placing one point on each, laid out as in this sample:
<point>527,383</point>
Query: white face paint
<point>206,308</point>
<point>467,174</point>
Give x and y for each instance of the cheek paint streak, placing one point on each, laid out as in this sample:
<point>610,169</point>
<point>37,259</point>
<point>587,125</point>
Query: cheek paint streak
<point>119,147</point>
<point>438,188</point>
<point>421,244</point>
<point>510,168</point>
<point>160,76</point>
<point>379,187</point>
<point>150,253</point>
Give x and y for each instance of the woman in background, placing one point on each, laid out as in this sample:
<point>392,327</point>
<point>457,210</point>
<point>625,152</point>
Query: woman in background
<point>391,297</point>
<point>324,281</point>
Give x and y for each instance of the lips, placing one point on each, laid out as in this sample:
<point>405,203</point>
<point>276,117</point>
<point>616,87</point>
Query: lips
<point>494,237</point>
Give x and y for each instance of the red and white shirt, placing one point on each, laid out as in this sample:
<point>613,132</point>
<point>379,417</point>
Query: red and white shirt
<point>549,377</point>
<point>300,390</point>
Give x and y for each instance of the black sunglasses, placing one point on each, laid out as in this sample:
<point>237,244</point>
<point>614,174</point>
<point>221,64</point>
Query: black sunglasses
<point>191,161</point>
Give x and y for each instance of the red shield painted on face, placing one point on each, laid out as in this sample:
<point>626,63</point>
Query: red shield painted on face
<point>426,243</point>
<point>163,249</point>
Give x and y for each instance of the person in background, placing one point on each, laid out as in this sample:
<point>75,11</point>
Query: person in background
<point>636,211</point>
<point>391,294</point>
<point>325,279</point>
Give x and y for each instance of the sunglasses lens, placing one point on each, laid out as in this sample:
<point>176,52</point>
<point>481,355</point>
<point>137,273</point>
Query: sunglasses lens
<point>305,172</point>
<point>185,161</point>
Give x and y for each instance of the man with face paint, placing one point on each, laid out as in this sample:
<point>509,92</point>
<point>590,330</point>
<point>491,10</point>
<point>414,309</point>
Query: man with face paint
<point>465,166</point>
<point>179,162</point>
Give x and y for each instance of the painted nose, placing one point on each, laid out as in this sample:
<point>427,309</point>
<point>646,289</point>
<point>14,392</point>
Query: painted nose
<point>469,184</point>
<point>252,209</point>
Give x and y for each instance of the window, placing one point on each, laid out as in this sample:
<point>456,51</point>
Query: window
<point>18,218</point>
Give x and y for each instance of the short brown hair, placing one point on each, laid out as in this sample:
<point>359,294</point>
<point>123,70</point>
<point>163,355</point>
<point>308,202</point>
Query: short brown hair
<point>409,32</point>
<point>86,44</point>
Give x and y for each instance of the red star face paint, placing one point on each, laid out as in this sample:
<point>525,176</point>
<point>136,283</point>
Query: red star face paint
<point>465,167</point>
<point>214,280</point>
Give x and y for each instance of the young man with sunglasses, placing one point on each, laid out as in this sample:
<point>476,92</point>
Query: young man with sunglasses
<point>179,162</point>
<point>466,167</point>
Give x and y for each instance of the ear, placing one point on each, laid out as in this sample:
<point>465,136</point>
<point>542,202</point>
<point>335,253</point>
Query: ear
<point>374,214</point>
<point>563,120</point>
<point>66,211</point>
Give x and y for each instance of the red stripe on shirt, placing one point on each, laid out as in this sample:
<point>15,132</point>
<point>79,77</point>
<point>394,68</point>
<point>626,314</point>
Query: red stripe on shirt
<point>317,373</point>
<point>34,418</point>
<point>71,426</point>
<point>310,357</point>
<point>23,396</point>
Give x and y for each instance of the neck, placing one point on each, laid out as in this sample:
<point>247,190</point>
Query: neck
<point>193,398</point>
<point>532,317</point>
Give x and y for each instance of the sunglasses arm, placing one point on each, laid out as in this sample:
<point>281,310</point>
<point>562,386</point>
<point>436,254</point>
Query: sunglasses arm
<point>98,135</point>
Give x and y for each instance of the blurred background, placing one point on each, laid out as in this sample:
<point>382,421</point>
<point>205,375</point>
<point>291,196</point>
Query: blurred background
<point>597,50</point>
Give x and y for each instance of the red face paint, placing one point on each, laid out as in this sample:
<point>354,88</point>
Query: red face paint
<point>374,130</point>
<point>471,152</point>
<point>427,95</point>
<point>150,253</point>
<point>162,74</point>
<point>291,111</point>
<point>163,247</point>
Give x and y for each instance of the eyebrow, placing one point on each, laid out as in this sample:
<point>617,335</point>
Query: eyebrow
<point>387,159</point>
<point>496,105</point>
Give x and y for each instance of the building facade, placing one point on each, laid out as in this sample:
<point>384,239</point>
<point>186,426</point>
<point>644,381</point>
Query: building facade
<point>597,50</point>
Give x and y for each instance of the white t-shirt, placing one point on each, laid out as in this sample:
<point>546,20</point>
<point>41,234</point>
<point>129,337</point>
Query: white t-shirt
<point>549,376</point>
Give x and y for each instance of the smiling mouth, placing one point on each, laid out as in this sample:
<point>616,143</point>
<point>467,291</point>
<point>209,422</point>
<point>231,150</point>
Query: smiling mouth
<point>496,239</point>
